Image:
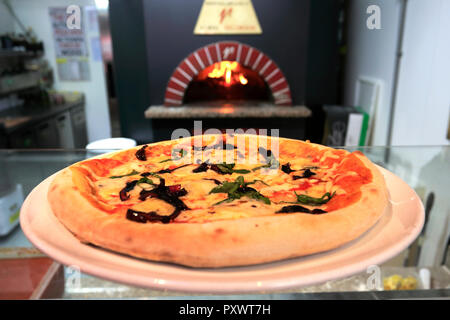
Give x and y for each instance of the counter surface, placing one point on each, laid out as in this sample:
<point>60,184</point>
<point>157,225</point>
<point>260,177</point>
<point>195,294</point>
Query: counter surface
<point>425,169</point>
<point>163,112</point>
<point>16,118</point>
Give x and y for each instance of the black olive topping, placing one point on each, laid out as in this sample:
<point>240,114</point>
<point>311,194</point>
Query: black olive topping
<point>144,194</point>
<point>286,168</point>
<point>152,216</point>
<point>267,154</point>
<point>169,194</point>
<point>164,171</point>
<point>171,170</point>
<point>220,168</point>
<point>140,154</point>
<point>137,216</point>
<point>215,181</point>
<point>123,194</point>
<point>293,208</point>
<point>297,208</point>
<point>306,174</point>
<point>217,146</point>
<point>201,168</point>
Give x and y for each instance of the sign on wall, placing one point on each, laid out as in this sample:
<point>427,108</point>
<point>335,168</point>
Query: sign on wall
<point>70,46</point>
<point>227,17</point>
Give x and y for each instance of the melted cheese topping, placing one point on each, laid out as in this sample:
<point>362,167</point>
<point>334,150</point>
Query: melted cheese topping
<point>281,188</point>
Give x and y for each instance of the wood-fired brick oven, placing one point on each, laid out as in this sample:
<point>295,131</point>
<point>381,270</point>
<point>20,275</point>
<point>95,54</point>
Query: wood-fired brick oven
<point>160,66</point>
<point>228,51</point>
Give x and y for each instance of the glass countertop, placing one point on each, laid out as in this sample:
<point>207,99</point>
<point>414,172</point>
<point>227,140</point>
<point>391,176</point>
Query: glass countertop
<point>423,268</point>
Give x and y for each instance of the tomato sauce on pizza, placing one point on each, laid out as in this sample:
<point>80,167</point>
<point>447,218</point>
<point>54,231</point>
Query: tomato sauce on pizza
<point>318,179</point>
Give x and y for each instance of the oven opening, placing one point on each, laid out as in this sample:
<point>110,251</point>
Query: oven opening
<point>225,83</point>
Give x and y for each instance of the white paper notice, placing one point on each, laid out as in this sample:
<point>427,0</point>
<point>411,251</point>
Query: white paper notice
<point>70,47</point>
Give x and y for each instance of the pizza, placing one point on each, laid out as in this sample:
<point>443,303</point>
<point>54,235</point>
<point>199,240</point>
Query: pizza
<point>220,200</point>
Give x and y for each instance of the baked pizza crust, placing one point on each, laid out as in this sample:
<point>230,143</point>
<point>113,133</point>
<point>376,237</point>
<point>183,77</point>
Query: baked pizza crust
<point>233,242</point>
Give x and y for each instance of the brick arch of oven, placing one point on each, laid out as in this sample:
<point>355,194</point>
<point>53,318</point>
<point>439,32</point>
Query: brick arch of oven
<point>246,55</point>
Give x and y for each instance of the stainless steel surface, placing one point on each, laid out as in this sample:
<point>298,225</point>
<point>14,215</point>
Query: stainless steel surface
<point>12,83</point>
<point>78,118</point>
<point>65,131</point>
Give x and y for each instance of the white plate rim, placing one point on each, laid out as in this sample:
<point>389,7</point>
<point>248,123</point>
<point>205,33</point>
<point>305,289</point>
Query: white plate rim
<point>234,286</point>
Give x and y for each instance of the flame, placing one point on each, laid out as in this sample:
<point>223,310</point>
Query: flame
<point>229,70</point>
<point>243,80</point>
<point>228,77</point>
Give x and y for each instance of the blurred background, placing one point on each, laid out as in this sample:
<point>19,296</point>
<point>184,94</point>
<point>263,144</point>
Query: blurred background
<point>351,72</point>
<point>98,74</point>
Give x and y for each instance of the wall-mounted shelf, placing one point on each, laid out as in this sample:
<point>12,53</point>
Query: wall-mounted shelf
<point>4,54</point>
<point>17,82</point>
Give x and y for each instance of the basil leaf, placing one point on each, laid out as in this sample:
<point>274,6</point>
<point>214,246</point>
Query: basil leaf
<point>132,173</point>
<point>145,180</point>
<point>145,174</point>
<point>226,187</point>
<point>256,180</point>
<point>177,154</point>
<point>258,196</point>
<point>181,153</point>
<point>272,163</point>
<point>238,189</point>
<point>303,198</point>
<point>241,171</point>
<point>226,167</point>
<point>240,181</point>
<point>310,167</point>
<point>229,199</point>
<point>260,167</point>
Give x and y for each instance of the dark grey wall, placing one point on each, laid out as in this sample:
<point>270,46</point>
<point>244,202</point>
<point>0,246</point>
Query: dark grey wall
<point>170,38</point>
<point>322,72</point>
<point>130,67</point>
<point>151,37</point>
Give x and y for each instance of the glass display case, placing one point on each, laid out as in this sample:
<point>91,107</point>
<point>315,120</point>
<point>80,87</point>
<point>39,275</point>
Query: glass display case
<point>420,271</point>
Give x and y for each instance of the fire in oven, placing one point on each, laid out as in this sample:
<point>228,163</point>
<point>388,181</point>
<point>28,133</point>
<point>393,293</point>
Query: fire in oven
<point>226,73</point>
